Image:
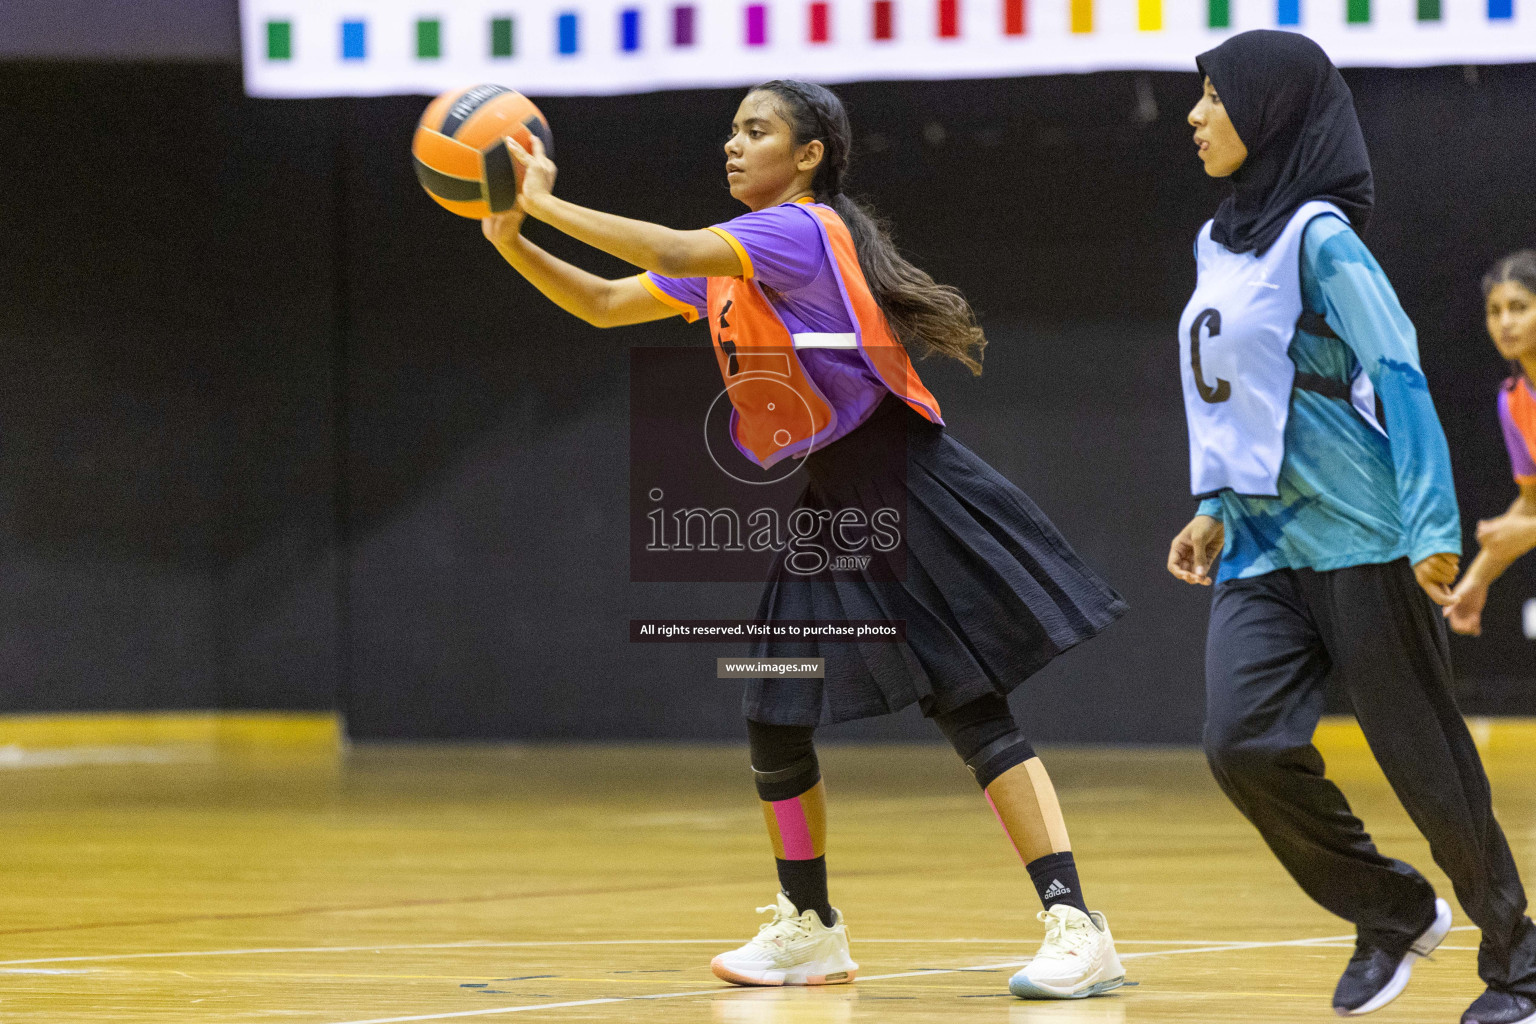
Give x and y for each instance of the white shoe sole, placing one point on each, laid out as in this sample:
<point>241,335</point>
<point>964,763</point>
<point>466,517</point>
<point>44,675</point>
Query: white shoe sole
<point>1422,946</point>
<point>1390,991</point>
<point>1027,988</point>
<point>820,972</point>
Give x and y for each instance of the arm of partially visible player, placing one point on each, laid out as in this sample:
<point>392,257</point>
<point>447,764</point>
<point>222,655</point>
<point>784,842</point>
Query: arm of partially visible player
<point>598,301</point>
<point>667,251</point>
<point>1362,307</point>
<point>1503,540</point>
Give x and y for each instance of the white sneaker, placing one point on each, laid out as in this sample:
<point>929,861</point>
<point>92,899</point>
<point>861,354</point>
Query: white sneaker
<point>1076,960</point>
<point>793,949</point>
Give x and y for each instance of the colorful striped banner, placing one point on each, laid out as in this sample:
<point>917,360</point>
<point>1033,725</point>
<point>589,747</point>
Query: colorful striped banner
<point>567,46</point>
<point>1149,18</point>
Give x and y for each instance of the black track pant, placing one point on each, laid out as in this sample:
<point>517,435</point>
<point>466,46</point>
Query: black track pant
<point>1273,641</point>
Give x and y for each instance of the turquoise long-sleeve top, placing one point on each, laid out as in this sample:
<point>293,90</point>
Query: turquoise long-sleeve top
<point>1348,495</point>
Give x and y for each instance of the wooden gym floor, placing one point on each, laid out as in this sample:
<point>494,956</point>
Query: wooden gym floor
<point>227,882</point>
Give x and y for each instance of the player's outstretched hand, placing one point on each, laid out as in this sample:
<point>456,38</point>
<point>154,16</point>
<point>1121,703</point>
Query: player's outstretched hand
<point>1195,548</point>
<point>502,228</point>
<point>1465,615</point>
<point>1436,574</point>
<point>1507,537</point>
<point>538,174</point>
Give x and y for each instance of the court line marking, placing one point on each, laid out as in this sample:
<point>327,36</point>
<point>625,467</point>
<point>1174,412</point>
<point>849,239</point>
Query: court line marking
<point>411,904</point>
<point>15,757</point>
<point>345,908</point>
<point>489,944</point>
<point>499,1010</point>
<point>468,944</point>
<point>485,944</point>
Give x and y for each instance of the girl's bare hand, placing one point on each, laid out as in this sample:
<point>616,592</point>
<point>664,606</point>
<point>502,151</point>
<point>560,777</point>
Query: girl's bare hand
<point>1436,574</point>
<point>538,174</point>
<point>1507,537</point>
<point>503,228</point>
<point>1466,614</point>
<point>1195,548</point>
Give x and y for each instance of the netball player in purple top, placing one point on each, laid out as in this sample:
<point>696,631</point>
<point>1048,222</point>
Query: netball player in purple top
<point>990,591</point>
<point>1509,292</point>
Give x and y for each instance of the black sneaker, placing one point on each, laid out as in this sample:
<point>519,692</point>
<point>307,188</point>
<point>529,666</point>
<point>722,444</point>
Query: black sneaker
<point>1496,1007</point>
<point>1375,976</point>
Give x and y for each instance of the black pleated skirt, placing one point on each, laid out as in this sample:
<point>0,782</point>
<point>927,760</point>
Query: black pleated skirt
<point>988,589</point>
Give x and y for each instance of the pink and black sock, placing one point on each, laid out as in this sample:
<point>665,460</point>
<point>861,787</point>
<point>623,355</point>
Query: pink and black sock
<point>788,779</point>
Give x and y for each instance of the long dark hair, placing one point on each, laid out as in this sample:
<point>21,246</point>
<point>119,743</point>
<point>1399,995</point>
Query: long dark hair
<point>1519,267</point>
<point>924,315</point>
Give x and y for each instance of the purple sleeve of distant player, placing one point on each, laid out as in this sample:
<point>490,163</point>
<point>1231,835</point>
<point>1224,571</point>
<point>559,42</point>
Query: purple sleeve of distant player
<point>1520,461</point>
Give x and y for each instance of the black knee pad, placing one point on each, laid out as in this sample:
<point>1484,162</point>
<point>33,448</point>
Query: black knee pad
<point>986,737</point>
<point>1001,755</point>
<point>784,761</point>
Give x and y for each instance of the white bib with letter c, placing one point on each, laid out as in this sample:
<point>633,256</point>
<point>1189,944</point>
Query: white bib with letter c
<point>1234,346</point>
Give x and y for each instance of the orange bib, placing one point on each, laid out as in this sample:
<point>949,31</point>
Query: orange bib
<point>778,410</point>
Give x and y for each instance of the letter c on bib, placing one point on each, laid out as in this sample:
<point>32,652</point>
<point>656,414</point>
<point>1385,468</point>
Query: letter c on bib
<point>1223,390</point>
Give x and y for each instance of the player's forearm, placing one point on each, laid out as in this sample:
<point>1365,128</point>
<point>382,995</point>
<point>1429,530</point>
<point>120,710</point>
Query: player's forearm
<point>641,243</point>
<point>1517,539</point>
<point>1484,570</point>
<point>579,293</point>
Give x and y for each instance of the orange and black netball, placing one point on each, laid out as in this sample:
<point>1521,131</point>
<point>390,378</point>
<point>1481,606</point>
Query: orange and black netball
<point>458,150</point>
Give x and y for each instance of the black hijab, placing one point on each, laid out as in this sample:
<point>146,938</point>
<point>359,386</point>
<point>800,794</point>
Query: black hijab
<point>1292,110</point>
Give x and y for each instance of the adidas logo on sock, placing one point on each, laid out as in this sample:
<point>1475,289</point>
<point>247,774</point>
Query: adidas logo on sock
<point>1056,890</point>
